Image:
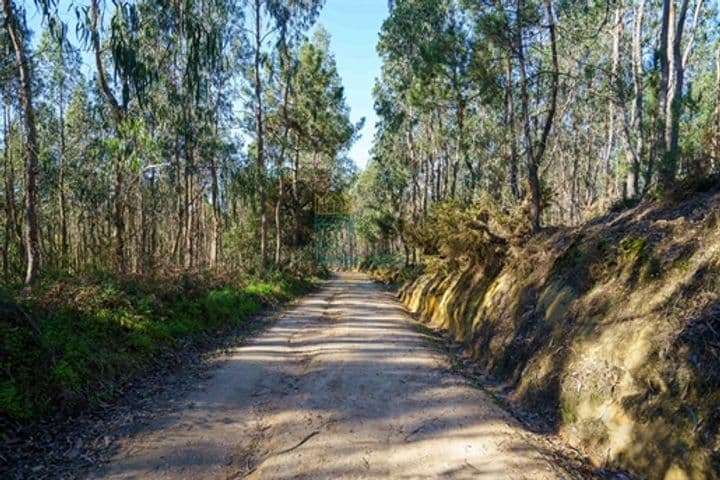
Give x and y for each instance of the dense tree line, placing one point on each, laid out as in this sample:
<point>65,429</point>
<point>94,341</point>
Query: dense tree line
<point>551,111</point>
<point>202,131</point>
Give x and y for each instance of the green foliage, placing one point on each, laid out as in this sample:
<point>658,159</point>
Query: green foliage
<point>389,269</point>
<point>455,233</point>
<point>11,402</point>
<point>92,337</point>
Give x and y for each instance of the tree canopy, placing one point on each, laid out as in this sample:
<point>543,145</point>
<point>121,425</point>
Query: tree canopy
<point>547,112</point>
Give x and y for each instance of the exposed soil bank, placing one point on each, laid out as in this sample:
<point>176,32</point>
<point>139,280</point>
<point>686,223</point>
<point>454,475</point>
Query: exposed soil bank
<point>611,329</point>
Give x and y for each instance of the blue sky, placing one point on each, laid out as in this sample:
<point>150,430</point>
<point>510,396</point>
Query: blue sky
<point>353,26</point>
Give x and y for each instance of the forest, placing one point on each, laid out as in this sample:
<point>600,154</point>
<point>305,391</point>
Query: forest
<point>542,174</point>
<point>553,112</point>
<point>159,162</point>
<point>140,165</point>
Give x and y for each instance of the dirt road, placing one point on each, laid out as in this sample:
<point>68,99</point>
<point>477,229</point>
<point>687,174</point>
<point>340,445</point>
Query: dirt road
<point>341,386</point>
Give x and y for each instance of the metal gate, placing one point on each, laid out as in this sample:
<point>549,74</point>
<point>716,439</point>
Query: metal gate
<point>334,243</point>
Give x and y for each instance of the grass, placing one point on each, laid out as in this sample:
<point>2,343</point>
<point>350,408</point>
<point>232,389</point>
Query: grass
<point>71,345</point>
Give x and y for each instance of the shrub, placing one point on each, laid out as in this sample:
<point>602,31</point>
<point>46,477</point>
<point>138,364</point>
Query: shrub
<point>74,344</point>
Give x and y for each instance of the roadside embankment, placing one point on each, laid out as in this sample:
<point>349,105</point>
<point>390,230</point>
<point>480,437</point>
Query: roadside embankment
<point>611,330</point>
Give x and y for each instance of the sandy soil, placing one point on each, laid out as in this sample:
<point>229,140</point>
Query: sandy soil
<point>341,386</point>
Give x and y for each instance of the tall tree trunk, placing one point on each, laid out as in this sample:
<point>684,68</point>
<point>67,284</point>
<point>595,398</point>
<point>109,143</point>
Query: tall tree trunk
<point>674,100</point>
<point>460,155</point>
<point>410,139</point>
<point>634,156</point>
<point>610,143</point>
<point>445,155</point>
<point>61,181</point>
<point>260,140</point>
<point>663,53</point>
<point>278,218</point>
<point>119,219</point>
<point>118,114</point>
<point>214,191</point>
<point>716,131</point>
<point>179,204</point>
<point>137,255</point>
<point>152,250</point>
<point>280,161</point>
<point>32,230</point>
<point>533,182</point>
<point>535,152</point>
<point>187,204</point>
<point>215,219</point>
<point>510,129</point>
<point>427,184</point>
<point>296,199</point>
<point>9,192</point>
<point>670,88</point>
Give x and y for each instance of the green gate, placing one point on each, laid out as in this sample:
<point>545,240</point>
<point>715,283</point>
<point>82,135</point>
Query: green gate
<point>334,244</point>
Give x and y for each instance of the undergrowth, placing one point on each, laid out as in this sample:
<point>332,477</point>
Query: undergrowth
<point>389,269</point>
<point>72,343</point>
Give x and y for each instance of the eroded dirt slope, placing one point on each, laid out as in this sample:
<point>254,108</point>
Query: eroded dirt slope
<point>341,386</point>
<point>610,330</point>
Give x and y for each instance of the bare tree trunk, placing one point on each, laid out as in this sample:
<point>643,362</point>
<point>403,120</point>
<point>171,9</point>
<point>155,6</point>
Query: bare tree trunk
<point>525,102</point>
<point>670,88</point>
<point>177,249</point>
<point>716,132</point>
<point>460,155</point>
<point>437,163</point>
<point>296,200</point>
<point>61,181</point>
<point>215,220</point>
<point>665,27</point>
<point>119,216</point>
<point>428,182</point>
<point>445,156</point>
<point>674,103</point>
<point>278,218</point>
<point>414,169</point>
<point>634,156</point>
<point>260,140</point>
<point>118,115</point>
<point>510,127</point>
<point>187,204</point>
<point>610,143</point>
<point>152,250</point>
<point>138,254</point>
<point>280,161</point>
<point>199,257</point>
<point>32,231</point>
<point>9,192</point>
<point>535,152</point>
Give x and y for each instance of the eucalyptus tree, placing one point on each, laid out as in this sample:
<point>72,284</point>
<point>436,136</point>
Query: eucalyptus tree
<point>130,76</point>
<point>309,122</point>
<point>632,118</point>
<point>59,63</point>
<point>13,16</point>
<point>573,92</point>
<point>536,145</point>
<point>84,155</point>
<point>272,22</point>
